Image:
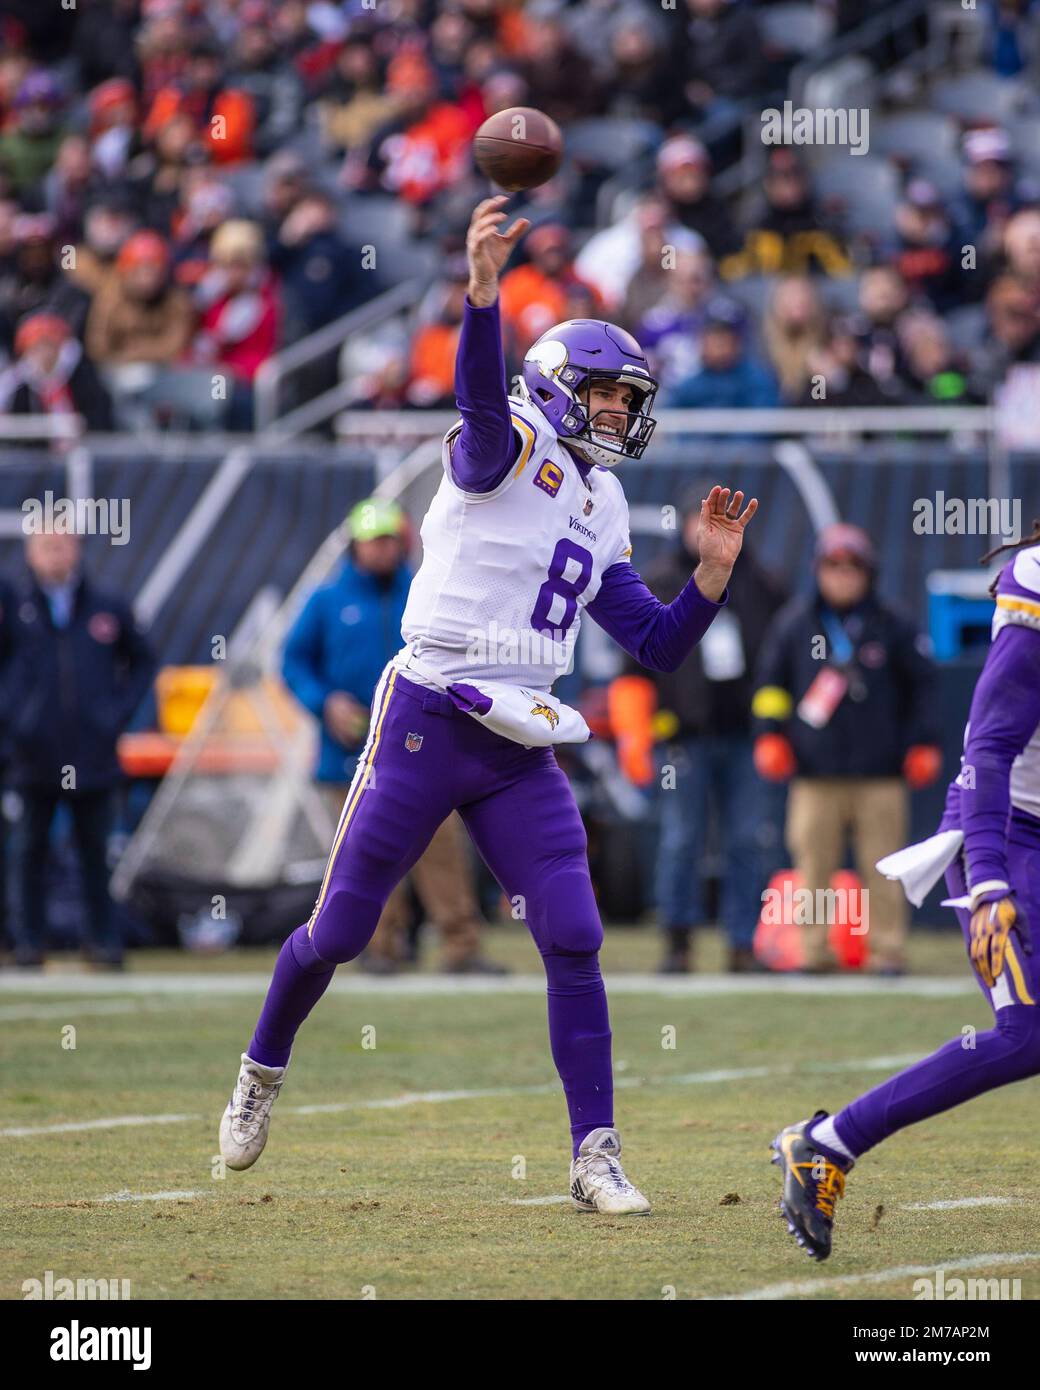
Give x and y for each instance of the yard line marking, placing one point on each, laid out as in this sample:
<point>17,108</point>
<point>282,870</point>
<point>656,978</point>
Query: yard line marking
<point>353,983</point>
<point>693,1078</point>
<point>78,1126</point>
<point>958,1203</point>
<point>71,1009</point>
<point>539,1201</point>
<point>797,1287</point>
<point>147,1197</point>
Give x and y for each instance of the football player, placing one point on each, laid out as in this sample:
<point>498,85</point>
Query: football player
<point>528,531</point>
<point>988,845</point>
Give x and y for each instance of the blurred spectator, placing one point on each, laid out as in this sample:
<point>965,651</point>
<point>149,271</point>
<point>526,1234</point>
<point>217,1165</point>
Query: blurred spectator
<point>611,260</point>
<point>157,176</point>
<point>717,58</point>
<point>321,275</point>
<point>728,378</point>
<point>639,86</point>
<point>334,656</point>
<point>883,301</point>
<point>355,102</point>
<point>925,252</point>
<point>670,332</point>
<point>431,366</point>
<point>67,188</point>
<point>241,313</point>
<point>114,134</point>
<point>263,75</point>
<point>938,374</point>
<point>853,730</point>
<point>990,197</point>
<point>684,180</point>
<point>106,227</point>
<point>36,280</point>
<point>286,180</point>
<point>706,707</point>
<point>1012,35</point>
<point>785,234</point>
<point>79,668</point>
<point>139,329</point>
<point>206,202</point>
<point>836,375</point>
<point>1022,248</point>
<point>534,296</point>
<point>794,329</point>
<point>559,81</point>
<point>428,147</point>
<point>51,375</point>
<point>1012,333</point>
<point>28,148</point>
<point>107,38</point>
<point>222,118</point>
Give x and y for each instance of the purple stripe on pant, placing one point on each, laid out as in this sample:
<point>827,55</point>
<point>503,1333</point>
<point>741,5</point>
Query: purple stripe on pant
<point>519,809</point>
<point>958,1072</point>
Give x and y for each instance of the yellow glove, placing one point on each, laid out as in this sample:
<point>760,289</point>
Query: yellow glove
<point>991,925</point>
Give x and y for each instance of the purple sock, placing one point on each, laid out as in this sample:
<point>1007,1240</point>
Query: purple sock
<point>579,1035</point>
<point>300,979</point>
<point>954,1074</point>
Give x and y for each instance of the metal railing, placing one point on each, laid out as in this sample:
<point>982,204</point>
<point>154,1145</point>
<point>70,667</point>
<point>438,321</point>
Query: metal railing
<point>272,374</point>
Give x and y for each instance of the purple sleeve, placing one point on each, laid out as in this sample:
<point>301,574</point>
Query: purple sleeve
<point>658,635</point>
<point>486,447</point>
<point>1005,711</point>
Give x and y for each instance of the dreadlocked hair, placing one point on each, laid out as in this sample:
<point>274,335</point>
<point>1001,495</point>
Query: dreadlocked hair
<point>1031,539</point>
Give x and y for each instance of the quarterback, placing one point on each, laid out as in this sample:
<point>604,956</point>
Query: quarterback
<point>988,846</point>
<point>528,530</point>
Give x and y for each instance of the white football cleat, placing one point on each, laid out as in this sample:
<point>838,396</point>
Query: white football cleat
<point>598,1181</point>
<point>244,1126</point>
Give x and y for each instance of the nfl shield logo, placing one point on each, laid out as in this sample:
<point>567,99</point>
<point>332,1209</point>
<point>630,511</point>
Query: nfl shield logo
<point>413,742</point>
<point>587,509</point>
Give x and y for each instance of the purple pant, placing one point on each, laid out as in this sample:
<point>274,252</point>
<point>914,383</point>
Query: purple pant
<point>969,1065</point>
<point>425,758</point>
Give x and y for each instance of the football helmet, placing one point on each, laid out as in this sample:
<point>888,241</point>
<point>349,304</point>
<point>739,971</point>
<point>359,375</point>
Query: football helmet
<point>567,359</point>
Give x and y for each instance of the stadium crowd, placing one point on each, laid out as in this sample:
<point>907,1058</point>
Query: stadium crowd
<point>178,185</point>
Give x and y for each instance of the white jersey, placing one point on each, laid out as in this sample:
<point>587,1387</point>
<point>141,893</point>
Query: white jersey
<point>1018,604</point>
<point>506,574</point>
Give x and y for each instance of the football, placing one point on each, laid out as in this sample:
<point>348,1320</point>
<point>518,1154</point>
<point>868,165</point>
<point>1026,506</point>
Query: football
<point>518,148</point>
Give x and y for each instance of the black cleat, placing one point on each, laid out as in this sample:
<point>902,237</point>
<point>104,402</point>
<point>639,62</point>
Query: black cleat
<point>812,1184</point>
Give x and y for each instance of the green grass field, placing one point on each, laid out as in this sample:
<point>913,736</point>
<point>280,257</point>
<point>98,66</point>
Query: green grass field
<point>414,1168</point>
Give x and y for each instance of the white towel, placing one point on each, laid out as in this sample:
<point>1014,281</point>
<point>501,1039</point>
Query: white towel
<point>920,867</point>
<point>533,718</point>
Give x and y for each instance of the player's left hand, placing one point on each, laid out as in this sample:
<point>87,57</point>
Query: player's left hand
<point>991,926</point>
<point>720,535</point>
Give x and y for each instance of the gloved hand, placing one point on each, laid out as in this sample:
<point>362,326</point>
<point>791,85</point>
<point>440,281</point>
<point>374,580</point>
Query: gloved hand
<point>995,913</point>
<point>922,765</point>
<point>774,758</point>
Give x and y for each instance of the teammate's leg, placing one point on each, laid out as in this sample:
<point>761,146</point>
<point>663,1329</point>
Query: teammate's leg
<point>820,1151</point>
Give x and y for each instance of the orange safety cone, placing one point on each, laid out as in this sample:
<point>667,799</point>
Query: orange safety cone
<point>778,940</point>
<point>848,934</point>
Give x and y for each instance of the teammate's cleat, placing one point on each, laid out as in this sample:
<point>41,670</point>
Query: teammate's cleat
<point>598,1181</point>
<point>244,1126</point>
<point>812,1184</point>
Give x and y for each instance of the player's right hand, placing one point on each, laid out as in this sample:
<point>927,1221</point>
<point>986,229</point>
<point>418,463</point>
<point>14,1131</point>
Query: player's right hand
<point>992,921</point>
<point>488,249</point>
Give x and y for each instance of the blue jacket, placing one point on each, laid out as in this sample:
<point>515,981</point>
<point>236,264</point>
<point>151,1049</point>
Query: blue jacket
<point>348,630</point>
<point>745,386</point>
<point>68,693</point>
